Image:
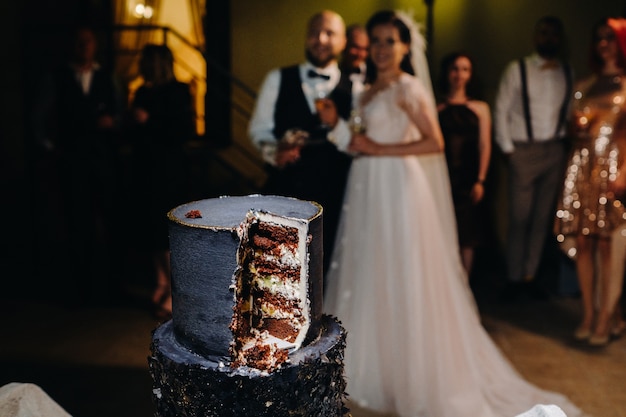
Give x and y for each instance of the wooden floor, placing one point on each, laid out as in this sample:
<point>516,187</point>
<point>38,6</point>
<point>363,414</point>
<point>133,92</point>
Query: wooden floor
<point>536,337</point>
<point>92,360</point>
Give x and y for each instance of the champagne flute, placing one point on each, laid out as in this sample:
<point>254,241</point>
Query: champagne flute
<point>356,122</point>
<point>320,101</point>
<point>320,96</point>
<point>357,125</point>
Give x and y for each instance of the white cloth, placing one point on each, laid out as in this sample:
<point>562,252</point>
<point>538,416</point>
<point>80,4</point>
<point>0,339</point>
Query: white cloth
<point>415,343</point>
<point>27,400</point>
<point>541,410</point>
<point>546,91</point>
<point>261,125</point>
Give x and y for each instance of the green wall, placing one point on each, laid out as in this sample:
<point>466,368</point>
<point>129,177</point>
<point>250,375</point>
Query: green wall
<point>271,33</point>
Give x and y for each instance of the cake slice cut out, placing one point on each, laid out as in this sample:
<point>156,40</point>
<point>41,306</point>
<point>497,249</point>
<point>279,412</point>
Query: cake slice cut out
<point>271,314</point>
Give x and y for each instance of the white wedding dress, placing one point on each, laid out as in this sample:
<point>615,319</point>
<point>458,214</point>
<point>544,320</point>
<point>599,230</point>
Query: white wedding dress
<point>415,343</point>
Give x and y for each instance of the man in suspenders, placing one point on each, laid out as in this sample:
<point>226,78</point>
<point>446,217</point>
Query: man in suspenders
<point>530,125</point>
<point>309,165</point>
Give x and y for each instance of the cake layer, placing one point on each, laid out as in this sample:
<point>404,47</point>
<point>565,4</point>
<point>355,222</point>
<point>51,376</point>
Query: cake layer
<point>204,244</point>
<point>310,384</point>
<point>271,288</point>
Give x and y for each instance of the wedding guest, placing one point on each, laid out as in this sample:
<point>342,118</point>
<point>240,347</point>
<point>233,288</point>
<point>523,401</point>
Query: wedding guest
<point>466,126</point>
<point>396,281</point>
<point>77,119</point>
<point>591,213</point>
<point>296,138</point>
<point>161,122</point>
<point>530,127</point>
<point>354,55</point>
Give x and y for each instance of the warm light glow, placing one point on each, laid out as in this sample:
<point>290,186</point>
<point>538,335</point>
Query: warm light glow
<point>143,11</point>
<point>139,10</point>
<point>189,64</point>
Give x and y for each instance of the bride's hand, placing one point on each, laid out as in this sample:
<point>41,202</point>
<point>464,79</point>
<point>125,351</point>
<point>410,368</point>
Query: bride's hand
<point>361,144</point>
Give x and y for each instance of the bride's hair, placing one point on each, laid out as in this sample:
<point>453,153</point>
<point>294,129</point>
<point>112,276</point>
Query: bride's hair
<point>386,17</point>
<point>414,62</point>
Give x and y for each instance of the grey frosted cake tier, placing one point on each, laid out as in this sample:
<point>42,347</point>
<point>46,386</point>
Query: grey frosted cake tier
<point>204,242</point>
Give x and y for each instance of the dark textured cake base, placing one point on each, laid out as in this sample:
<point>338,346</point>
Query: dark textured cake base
<point>310,385</point>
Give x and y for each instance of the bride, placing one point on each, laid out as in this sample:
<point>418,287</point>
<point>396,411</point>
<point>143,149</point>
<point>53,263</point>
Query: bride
<point>416,346</point>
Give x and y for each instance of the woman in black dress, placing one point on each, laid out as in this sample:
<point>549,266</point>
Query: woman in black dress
<point>161,123</point>
<point>466,126</point>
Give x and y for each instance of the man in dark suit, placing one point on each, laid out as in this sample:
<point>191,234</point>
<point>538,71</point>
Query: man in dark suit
<point>299,124</point>
<point>354,56</point>
<point>79,105</point>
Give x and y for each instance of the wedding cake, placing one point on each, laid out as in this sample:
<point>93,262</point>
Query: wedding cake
<point>247,335</point>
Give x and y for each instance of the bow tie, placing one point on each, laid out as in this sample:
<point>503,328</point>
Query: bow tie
<point>354,70</point>
<point>314,74</point>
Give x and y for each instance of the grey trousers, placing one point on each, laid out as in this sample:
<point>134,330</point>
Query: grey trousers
<point>536,172</point>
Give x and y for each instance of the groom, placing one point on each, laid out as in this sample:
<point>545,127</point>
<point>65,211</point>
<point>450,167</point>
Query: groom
<point>312,168</point>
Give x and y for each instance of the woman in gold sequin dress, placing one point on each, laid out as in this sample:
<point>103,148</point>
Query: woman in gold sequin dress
<point>591,212</point>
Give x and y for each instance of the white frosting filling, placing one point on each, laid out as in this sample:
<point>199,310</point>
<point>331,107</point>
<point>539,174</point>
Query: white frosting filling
<point>274,285</point>
<point>287,257</point>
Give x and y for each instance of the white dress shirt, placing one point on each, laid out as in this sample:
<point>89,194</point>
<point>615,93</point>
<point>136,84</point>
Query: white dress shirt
<point>84,77</point>
<point>261,127</point>
<point>546,91</point>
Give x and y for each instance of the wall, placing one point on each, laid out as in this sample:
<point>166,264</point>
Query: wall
<point>495,31</point>
<point>269,34</point>
<point>264,37</point>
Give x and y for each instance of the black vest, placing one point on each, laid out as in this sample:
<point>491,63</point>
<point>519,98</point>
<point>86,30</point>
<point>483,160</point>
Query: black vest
<point>320,173</point>
<point>292,110</point>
